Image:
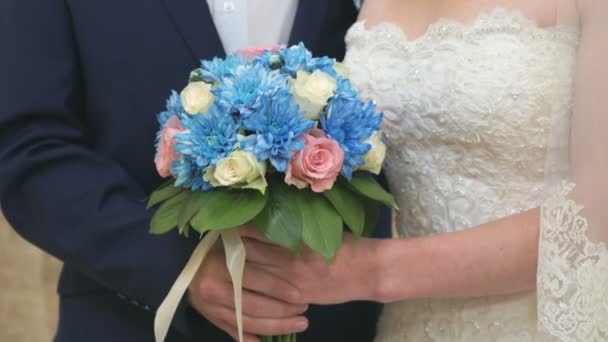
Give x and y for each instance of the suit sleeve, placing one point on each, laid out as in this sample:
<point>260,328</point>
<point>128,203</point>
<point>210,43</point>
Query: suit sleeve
<point>54,189</point>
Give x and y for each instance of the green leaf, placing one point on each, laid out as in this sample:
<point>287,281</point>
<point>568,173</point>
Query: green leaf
<point>165,218</point>
<point>372,215</point>
<point>182,223</point>
<point>322,224</point>
<point>349,205</point>
<point>228,209</point>
<point>367,186</point>
<point>163,193</point>
<point>281,220</point>
<point>195,202</point>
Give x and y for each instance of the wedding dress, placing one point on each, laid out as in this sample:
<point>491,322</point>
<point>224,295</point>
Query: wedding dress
<point>488,119</point>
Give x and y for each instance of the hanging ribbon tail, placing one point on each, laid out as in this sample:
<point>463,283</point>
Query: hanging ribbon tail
<point>166,311</point>
<point>235,260</point>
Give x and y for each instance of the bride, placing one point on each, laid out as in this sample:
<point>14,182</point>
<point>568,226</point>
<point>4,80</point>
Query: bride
<point>496,116</point>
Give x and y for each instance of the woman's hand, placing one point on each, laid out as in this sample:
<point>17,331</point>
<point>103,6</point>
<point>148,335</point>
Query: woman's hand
<point>353,274</point>
<point>495,258</point>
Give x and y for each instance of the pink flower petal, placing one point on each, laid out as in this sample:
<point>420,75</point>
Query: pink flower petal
<point>166,154</point>
<point>251,53</point>
<point>318,164</point>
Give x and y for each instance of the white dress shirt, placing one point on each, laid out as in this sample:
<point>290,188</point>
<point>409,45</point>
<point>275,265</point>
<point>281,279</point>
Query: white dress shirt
<point>253,23</point>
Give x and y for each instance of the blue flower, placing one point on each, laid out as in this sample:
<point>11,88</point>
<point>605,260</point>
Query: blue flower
<point>345,90</point>
<point>324,64</point>
<point>185,170</point>
<point>297,58</point>
<point>278,124</point>
<point>207,139</point>
<point>217,69</point>
<point>241,94</point>
<point>350,122</point>
<point>189,175</point>
<point>174,104</point>
<point>174,107</point>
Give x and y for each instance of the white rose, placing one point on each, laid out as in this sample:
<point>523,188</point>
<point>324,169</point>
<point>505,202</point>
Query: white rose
<point>239,170</point>
<point>376,155</point>
<point>341,69</point>
<point>197,97</point>
<point>311,92</point>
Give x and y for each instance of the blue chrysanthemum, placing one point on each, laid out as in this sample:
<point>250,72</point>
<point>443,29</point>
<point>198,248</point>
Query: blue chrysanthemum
<point>184,169</point>
<point>174,104</point>
<point>174,107</point>
<point>297,58</point>
<point>278,124</point>
<point>217,69</point>
<point>345,90</point>
<point>242,93</point>
<point>324,64</point>
<point>189,175</point>
<point>350,122</point>
<point>207,139</point>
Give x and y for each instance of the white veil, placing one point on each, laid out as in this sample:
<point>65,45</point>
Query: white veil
<point>572,280</point>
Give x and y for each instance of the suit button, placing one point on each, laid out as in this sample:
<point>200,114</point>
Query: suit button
<point>229,6</point>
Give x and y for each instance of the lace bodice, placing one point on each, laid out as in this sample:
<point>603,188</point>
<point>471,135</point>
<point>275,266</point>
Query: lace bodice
<point>468,109</point>
<point>467,113</point>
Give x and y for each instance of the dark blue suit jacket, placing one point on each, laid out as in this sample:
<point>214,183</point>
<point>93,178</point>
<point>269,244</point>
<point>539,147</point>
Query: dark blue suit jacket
<point>80,84</point>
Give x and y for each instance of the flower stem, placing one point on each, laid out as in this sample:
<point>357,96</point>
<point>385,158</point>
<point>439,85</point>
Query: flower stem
<point>284,338</point>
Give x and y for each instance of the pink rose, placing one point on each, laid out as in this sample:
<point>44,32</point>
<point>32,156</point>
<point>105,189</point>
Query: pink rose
<point>317,165</point>
<point>251,53</point>
<point>165,155</point>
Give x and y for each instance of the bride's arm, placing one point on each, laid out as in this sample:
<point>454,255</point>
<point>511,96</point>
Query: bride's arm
<point>494,258</point>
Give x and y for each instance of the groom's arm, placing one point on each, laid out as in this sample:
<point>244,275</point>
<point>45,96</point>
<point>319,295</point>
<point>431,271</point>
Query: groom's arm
<point>55,190</point>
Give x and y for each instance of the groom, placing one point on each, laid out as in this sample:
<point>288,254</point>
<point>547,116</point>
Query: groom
<point>80,83</point>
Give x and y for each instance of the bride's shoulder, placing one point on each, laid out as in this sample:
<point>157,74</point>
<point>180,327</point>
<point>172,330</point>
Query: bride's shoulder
<point>374,12</point>
<point>376,18</point>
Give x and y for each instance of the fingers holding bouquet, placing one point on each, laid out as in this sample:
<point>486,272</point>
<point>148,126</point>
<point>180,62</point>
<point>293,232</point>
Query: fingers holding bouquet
<point>211,294</point>
<point>350,276</point>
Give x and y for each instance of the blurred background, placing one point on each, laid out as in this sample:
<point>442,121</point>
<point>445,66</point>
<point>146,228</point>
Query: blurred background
<point>28,299</point>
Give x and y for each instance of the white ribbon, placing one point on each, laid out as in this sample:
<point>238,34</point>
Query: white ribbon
<point>235,261</point>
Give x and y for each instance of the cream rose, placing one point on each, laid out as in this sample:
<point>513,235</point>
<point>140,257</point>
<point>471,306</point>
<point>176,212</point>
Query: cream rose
<point>311,91</point>
<point>239,170</point>
<point>197,97</point>
<point>376,155</point>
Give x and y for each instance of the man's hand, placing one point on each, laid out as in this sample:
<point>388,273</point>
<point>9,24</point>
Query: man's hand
<point>211,294</point>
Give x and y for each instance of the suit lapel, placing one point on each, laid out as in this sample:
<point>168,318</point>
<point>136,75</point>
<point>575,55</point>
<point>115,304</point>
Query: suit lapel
<point>193,20</point>
<point>307,25</point>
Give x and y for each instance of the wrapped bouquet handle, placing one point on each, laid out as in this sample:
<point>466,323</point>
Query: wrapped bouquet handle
<point>235,260</point>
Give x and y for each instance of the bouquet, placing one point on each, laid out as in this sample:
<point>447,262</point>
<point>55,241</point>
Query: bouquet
<point>280,139</point>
